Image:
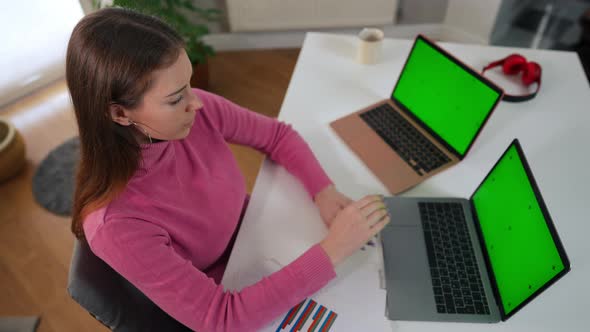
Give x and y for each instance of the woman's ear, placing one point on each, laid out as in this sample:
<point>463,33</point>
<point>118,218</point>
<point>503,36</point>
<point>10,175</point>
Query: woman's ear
<point>119,115</point>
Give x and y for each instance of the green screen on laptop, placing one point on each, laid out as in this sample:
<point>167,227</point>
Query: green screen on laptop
<point>521,249</point>
<point>445,96</point>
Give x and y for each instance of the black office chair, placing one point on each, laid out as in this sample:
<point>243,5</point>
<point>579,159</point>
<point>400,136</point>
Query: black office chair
<point>111,299</point>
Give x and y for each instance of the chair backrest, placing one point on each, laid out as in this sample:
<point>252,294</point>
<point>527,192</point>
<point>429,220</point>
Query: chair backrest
<point>111,299</point>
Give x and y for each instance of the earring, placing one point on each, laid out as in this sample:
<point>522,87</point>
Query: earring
<point>144,131</point>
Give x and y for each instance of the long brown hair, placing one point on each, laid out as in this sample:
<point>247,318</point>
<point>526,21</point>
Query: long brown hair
<point>110,58</point>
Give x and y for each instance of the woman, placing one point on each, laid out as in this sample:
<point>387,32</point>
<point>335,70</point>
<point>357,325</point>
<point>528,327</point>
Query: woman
<point>159,195</point>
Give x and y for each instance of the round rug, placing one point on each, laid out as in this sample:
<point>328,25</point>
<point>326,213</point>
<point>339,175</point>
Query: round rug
<point>53,182</point>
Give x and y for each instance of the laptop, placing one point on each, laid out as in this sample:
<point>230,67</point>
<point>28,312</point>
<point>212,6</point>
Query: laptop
<point>436,110</point>
<point>472,260</point>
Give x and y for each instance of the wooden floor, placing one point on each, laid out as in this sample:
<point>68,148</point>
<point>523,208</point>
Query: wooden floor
<point>35,245</point>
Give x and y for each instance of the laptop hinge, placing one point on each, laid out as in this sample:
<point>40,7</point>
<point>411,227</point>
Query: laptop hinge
<point>434,135</point>
<point>485,255</point>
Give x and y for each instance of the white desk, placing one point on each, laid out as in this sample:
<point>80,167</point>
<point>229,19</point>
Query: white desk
<point>554,130</point>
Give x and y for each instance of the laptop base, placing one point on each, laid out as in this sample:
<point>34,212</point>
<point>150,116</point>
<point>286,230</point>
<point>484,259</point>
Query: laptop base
<point>409,286</point>
<point>393,171</point>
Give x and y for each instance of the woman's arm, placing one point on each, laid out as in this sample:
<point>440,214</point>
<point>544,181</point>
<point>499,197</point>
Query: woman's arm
<point>141,252</point>
<point>274,138</point>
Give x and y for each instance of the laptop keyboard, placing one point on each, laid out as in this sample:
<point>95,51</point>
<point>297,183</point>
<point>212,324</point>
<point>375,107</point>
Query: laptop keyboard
<point>405,139</point>
<point>455,277</point>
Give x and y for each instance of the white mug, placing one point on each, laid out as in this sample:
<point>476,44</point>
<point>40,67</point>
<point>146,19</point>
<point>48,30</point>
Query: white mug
<point>369,45</point>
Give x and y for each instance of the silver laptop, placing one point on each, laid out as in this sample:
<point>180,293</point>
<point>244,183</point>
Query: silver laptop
<point>472,260</point>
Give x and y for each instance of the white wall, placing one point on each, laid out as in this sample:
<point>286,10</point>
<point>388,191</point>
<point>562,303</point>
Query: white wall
<point>272,15</point>
<point>422,11</point>
<point>412,11</point>
<point>471,19</point>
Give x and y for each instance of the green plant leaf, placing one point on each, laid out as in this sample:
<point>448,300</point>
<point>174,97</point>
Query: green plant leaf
<point>170,12</point>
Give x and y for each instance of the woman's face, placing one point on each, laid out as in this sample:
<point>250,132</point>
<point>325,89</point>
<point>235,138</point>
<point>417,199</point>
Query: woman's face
<point>168,108</point>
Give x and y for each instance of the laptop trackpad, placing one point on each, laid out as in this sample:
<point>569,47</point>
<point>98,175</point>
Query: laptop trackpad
<point>404,254</point>
<point>409,288</point>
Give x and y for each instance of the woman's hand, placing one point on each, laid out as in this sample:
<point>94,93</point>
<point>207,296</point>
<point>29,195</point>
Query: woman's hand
<point>354,226</point>
<point>330,201</point>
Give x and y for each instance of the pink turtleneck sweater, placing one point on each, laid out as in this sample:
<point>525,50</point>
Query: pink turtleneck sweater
<point>171,231</point>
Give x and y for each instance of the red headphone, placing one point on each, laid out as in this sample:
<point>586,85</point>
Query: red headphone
<point>514,64</point>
